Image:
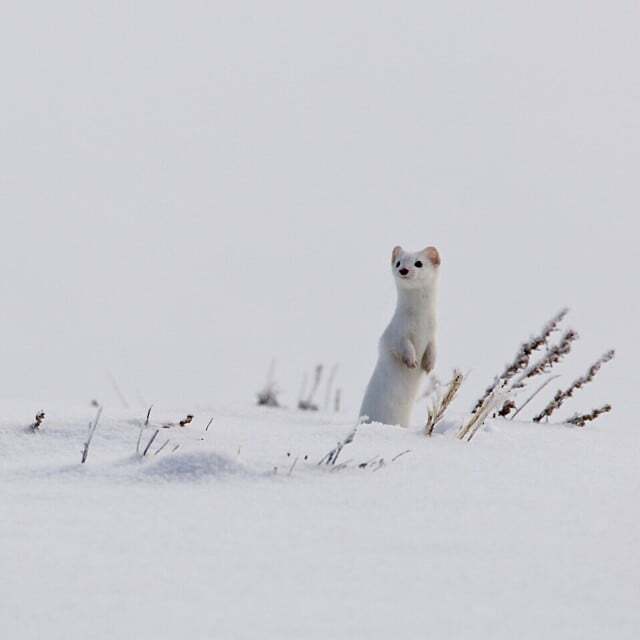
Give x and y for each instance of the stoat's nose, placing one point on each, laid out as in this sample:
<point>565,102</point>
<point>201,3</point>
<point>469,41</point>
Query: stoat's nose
<point>403,272</point>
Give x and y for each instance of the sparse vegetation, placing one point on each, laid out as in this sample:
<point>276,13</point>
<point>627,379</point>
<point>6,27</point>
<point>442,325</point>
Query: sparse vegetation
<point>268,395</point>
<point>579,383</point>
<point>307,402</point>
<point>38,421</point>
<point>580,420</point>
<point>520,372</point>
<point>441,401</point>
<point>92,429</point>
<point>521,360</point>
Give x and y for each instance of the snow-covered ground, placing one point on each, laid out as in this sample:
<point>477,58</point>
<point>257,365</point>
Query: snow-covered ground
<point>528,531</point>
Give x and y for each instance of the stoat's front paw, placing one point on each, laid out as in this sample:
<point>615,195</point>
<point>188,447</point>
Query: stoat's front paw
<point>411,363</point>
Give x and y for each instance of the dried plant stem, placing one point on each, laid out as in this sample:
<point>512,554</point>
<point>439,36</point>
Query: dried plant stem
<point>143,426</point>
<point>92,429</point>
<point>442,401</point>
<point>580,382</point>
<point>307,404</point>
<point>581,420</point>
<point>161,447</point>
<point>331,457</point>
<point>116,388</point>
<point>329,389</point>
<point>151,439</point>
<point>533,395</point>
<point>521,360</point>
<point>552,357</point>
<point>468,430</point>
<point>337,400</point>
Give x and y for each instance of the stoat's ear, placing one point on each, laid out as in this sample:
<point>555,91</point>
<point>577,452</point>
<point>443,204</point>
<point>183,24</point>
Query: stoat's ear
<point>395,253</point>
<point>433,256</point>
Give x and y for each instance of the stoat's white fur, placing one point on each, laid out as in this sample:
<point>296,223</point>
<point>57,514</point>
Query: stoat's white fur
<point>407,348</point>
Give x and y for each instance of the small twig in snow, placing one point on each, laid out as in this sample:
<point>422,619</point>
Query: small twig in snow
<point>143,426</point>
<point>162,446</point>
<point>92,429</point>
<point>151,439</point>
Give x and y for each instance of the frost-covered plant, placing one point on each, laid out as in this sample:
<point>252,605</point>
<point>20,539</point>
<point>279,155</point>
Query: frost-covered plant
<point>441,401</point>
<point>580,420</point>
<point>580,382</point>
<point>552,357</point>
<point>521,360</point>
<point>489,404</point>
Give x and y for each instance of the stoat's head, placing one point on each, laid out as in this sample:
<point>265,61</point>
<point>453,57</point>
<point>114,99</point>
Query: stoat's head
<point>415,270</point>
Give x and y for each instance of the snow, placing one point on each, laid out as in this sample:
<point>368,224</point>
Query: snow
<point>529,530</point>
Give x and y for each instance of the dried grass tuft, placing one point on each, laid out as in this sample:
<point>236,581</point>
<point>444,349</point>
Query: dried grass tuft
<point>521,360</point>
<point>581,420</point>
<point>38,421</point>
<point>308,403</point>
<point>490,403</point>
<point>580,382</point>
<point>441,402</point>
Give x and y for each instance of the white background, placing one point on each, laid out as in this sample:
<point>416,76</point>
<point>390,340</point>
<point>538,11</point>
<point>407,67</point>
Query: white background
<point>190,189</point>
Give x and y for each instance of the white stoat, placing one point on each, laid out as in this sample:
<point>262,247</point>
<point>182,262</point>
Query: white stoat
<point>407,348</point>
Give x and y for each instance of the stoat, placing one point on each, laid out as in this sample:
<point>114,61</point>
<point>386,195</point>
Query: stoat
<point>407,348</point>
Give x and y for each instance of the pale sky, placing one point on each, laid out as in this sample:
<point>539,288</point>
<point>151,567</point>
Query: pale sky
<point>190,189</point>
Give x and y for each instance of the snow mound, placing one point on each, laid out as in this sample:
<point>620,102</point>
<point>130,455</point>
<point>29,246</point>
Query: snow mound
<point>194,466</point>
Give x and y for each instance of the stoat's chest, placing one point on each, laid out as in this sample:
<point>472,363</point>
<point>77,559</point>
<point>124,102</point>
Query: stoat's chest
<point>415,322</point>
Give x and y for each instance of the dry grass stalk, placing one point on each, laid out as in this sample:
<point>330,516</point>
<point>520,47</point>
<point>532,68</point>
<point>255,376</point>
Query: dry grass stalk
<point>116,388</point>
<point>268,396</point>
<point>151,439</point>
<point>308,404</point>
<point>38,421</point>
<point>161,447</point>
<point>337,401</point>
<point>329,390</point>
<point>521,360</point>
<point>533,395</point>
<point>552,357</point>
<point>580,382</point>
<point>441,402</point>
<point>92,429</point>
<point>581,420</point>
<point>143,426</point>
<point>469,429</point>
<point>331,457</point>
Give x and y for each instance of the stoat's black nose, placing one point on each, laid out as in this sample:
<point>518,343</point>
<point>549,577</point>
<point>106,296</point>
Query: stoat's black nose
<point>403,272</point>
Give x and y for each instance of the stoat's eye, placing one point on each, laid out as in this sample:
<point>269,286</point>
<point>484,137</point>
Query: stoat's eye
<point>418,264</point>
<point>397,264</point>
